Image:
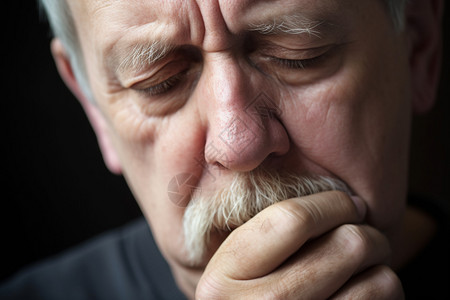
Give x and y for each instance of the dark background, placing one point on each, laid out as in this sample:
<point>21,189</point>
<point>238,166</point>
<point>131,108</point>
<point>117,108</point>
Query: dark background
<point>56,191</point>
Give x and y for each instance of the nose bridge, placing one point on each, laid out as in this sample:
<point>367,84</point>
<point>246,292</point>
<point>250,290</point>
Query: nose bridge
<point>241,133</point>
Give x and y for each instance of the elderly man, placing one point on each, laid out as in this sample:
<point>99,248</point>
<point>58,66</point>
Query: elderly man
<point>266,143</point>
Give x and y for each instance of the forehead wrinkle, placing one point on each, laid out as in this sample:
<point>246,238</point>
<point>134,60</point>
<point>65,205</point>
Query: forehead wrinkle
<point>294,24</point>
<point>144,45</point>
<point>141,46</point>
<point>141,35</point>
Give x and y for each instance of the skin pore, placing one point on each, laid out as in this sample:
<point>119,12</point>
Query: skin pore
<point>172,78</point>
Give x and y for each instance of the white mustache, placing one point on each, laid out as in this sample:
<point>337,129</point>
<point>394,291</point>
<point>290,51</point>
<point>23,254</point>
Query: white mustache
<point>247,195</point>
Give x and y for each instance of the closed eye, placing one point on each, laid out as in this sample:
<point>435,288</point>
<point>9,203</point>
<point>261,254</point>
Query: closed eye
<point>297,63</point>
<point>164,86</point>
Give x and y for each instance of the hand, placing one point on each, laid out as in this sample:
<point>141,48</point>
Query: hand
<point>303,248</point>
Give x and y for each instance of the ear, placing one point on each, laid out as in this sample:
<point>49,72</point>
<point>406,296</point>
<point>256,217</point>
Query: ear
<point>423,29</point>
<point>93,113</point>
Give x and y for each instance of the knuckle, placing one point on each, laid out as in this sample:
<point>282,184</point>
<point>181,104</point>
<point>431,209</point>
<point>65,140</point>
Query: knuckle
<point>369,242</point>
<point>355,240</point>
<point>209,288</point>
<point>390,282</point>
<point>378,282</point>
<point>302,215</point>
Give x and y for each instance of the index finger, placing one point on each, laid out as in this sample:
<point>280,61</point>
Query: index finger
<point>267,240</point>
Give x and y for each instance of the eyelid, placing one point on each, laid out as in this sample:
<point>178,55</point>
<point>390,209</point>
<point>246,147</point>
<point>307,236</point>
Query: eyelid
<point>295,59</point>
<point>295,54</point>
<point>298,63</point>
<point>162,74</point>
<point>164,86</point>
<point>170,65</point>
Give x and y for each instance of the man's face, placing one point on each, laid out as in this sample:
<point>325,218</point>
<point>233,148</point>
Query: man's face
<point>201,91</point>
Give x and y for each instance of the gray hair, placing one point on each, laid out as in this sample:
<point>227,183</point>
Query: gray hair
<point>63,27</point>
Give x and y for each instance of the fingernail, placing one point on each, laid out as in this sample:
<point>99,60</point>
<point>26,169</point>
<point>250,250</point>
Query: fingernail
<point>360,206</point>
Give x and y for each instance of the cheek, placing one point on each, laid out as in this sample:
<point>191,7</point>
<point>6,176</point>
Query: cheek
<point>321,120</point>
<point>128,119</point>
<point>153,152</point>
<point>356,126</point>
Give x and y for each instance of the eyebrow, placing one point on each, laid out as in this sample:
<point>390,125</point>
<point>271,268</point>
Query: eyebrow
<point>141,55</point>
<point>294,24</point>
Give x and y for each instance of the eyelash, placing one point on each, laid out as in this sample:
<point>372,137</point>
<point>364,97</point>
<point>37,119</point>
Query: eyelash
<point>297,63</point>
<point>165,86</point>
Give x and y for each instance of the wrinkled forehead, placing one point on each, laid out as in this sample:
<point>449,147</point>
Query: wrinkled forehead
<point>196,21</point>
<point>232,12</point>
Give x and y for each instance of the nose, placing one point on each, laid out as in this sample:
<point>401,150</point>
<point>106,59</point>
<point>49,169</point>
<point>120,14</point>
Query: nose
<point>243,118</point>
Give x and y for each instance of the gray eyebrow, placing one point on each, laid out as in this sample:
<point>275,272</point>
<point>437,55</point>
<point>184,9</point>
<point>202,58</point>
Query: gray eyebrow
<point>143,54</point>
<point>290,24</point>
